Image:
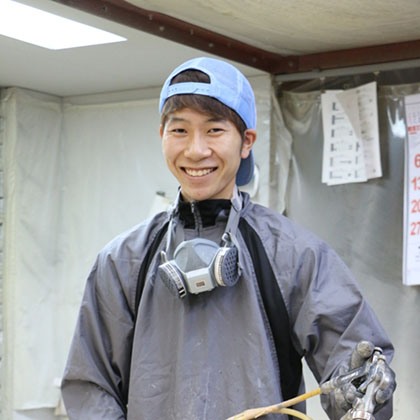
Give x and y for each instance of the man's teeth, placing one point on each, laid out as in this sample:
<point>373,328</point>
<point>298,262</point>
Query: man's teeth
<point>198,172</point>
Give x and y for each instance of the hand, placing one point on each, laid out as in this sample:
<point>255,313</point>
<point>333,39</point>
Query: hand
<point>346,394</point>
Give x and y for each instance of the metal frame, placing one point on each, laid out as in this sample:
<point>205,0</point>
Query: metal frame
<point>194,36</point>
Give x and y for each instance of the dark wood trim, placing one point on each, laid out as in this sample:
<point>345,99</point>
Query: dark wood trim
<point>353,57</point>
<point>202,39</point>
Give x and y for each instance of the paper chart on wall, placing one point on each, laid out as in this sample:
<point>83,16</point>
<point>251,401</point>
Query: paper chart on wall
<point>411,250</point>
<point>351,135</point>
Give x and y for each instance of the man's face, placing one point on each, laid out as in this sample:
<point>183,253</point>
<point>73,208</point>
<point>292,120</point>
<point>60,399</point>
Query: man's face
<point>204,153</point>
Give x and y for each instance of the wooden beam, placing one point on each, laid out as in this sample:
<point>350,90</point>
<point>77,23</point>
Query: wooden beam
<point>185,33</point>
<point>377,54</point>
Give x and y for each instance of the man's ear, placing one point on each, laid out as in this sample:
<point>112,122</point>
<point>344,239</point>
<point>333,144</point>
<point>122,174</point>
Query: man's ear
<point>161,131</point>
<point>249,139</point>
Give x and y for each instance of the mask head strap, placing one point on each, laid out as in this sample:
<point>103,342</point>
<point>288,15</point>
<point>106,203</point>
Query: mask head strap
<point>229,237</point>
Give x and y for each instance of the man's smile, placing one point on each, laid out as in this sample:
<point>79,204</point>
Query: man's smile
<point>198,172</point>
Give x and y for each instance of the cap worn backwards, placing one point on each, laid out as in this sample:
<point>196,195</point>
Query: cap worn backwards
<point>229,86</point>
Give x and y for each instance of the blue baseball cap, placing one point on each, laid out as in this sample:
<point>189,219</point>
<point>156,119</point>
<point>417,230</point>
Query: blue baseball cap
<point>229,86</point>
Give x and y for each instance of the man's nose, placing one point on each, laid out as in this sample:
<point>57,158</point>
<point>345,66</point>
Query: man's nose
<point>197,147</point>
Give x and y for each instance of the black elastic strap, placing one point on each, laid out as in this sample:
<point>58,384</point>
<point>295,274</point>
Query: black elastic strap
<point>145,265</point>
<point>141,278</point>
<point>289,360</point>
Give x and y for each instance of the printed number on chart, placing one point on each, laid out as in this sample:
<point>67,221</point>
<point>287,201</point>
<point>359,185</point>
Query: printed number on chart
<point>416,183</point>
<point>415,206</point>
<point>415,228</point>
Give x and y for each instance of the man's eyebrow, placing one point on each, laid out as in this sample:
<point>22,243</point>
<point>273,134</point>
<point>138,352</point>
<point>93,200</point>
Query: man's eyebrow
<point>209,120</point>
<point>217,119</point>
<point>176,119</point>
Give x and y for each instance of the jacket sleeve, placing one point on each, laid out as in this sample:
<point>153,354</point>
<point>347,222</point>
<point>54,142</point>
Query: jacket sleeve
<point>95,382</point>
<point>329,316</point>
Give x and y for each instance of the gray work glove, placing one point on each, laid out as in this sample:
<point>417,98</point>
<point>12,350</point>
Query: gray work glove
<point>346,394</point>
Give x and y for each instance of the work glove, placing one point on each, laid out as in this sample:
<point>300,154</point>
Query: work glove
<point>347,393</point>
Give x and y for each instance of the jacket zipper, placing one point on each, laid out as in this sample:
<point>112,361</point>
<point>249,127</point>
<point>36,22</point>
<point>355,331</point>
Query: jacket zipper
<point>197,217</point>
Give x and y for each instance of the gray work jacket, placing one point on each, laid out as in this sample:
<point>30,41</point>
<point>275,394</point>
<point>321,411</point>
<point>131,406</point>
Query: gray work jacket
<point>139,353</point>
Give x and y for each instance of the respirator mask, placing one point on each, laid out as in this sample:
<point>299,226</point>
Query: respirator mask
<point>199,265</point>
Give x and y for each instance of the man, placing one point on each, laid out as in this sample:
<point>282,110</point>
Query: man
<point>207,309</point>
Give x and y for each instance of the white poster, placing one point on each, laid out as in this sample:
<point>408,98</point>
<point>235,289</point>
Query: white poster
<point>411,257</point>
<point>351,135</point>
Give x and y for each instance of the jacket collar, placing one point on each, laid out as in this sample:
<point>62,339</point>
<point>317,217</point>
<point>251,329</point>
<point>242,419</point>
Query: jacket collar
<point>206,212</point>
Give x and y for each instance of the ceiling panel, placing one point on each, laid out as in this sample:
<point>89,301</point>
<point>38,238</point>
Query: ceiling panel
<point>300,26</point>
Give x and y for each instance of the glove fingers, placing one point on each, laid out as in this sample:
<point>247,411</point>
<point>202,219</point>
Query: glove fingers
<point>361,353</point>
<point>345,396</point>
<point>350,393</point>
<point>383,395</point>
<point>387,386</point>
<point>341,400</point>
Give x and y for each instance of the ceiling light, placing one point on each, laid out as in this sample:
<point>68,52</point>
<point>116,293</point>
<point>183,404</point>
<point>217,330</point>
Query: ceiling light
<point>47,30</point>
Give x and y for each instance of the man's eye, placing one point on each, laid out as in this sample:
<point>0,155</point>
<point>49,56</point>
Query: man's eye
<point>216,130</point>
<point>178,130</point>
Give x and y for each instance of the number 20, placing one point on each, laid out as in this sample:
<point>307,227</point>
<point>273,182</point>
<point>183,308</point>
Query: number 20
<point>415,206</point>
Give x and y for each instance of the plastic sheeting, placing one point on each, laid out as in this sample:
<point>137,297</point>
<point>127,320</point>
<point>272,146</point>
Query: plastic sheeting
<point>363,222</point>
<point>31,167</point>
<point>75,176</point>
<point>77,173</point>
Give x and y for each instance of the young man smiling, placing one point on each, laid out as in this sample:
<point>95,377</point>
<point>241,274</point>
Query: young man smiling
<point>204,153</point>
<point>207,309</point>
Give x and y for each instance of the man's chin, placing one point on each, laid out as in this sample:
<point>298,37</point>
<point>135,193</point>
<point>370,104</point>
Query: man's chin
<point>201,194</point>
<point>195,195</point>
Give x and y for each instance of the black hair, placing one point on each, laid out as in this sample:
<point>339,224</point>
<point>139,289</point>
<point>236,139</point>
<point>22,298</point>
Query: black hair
<point>200,103</point>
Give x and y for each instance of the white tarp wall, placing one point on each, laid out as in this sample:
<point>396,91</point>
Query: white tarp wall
<point>77,173</point>
<point>31,152</point>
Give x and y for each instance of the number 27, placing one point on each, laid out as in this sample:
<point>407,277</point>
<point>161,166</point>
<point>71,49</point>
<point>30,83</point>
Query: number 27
<point>415,228</point>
